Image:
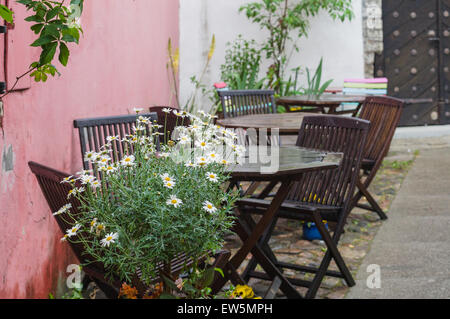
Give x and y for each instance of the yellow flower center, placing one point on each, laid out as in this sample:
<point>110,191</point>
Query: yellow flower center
<point>109,238</point>
<point>174,201</point>
<point>210,206</point>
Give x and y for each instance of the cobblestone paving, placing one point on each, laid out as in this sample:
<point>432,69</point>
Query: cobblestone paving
<point>361,228</point>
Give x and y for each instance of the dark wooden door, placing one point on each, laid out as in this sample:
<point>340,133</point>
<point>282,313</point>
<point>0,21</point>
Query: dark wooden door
<point>416,58</point>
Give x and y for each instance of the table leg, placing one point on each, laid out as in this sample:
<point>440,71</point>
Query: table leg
<point>250,243</point>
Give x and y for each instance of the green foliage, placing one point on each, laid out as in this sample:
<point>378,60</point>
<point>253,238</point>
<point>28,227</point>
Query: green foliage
<point>6,14</point>
<point>284,18</point>
<point>242,64</point>
<point>75,293</point>
<point>150,207</point>
<point>315,86</point>
<point>195,285</point>
<point>56,26</point>
<point>398,165</point>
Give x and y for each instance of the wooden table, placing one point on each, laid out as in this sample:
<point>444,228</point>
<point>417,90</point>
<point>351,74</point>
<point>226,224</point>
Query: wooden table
<point>326,103</point>
<point>287,123</point>
<point>293,162</point>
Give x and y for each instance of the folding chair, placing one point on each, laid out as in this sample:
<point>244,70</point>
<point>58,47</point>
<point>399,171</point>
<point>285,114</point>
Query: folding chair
<point>384,115</point>
<point>318,196</point>
<point>93,133</point>
<point>56,192</point>
<point>247,102</point>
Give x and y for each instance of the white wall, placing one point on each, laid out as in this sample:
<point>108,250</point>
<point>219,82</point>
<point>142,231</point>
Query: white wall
<point>340,44</point>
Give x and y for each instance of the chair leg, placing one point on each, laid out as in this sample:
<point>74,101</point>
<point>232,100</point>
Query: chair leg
<point>332,253</point>
<point>374,205</point>
<point>332,246</point>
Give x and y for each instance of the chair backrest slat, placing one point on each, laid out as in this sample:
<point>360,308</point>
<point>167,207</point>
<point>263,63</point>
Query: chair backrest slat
<point>332,134</point>
<point>384,115</point>
<point>246,102</point>
<point>93,133</point>
<point>56,193</point>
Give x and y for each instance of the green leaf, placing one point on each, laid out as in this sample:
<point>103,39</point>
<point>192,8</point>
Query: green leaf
<point>6,14</point>
<point>43,40</point>
<point>48,53</point>
<point>52,13</point>
<point>37,28</point>
<point>63,54</point>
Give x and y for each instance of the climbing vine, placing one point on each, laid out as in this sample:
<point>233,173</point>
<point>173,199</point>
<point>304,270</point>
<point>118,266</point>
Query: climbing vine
<point>56,25</point>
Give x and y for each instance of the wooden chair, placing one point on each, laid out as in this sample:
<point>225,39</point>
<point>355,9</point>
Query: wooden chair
<point>94,131</point>
<point>384,115</point>
<point>56,192</point>
<point>246,102</point>
<point>169,120</point>
<point>318,196</point>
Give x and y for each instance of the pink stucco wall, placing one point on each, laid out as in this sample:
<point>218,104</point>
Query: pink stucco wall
<point>119,64</point>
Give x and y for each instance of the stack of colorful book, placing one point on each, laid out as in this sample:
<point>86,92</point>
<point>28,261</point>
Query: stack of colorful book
<point>377,86</point>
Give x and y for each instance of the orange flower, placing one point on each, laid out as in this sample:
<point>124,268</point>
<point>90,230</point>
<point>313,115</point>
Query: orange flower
<point>157,291</point>
<point>128,292</point>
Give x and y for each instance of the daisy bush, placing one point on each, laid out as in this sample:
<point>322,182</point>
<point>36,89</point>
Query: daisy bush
<point>158,200</point>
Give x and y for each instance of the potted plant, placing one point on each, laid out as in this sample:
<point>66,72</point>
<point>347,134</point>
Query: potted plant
<point>153,205</point>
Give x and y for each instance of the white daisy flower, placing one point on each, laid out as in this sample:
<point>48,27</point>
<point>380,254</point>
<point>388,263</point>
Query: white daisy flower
<point>178,113</point>
<point>213,157</point>
<point>68,179</point>
<point>194,127</point>
<point>174,201</point>
<point>96,184</point>
<point>190,164</point>
<point>128,160</point>
<point>73,231</point>
<point>103,160</point>
<point>63,209</point>
<point>113,138</point>
<point>209,207</point>
<point>75,191</point>
<point>201,161</point>
<point>167,110</point>
<point>169,184</point>
<point>137,110</point>
<point>109,239</point>
<point>87,179</point>
<point>109,169</point>
<point>201,144</point>
<point>90,156</point>
<point>93,224</point>
<point>166,178</point>
<point>143,120</point>
<point>100,227</point>
<point>212,177</point>
<point>184,139</point>
<point>65,237</point>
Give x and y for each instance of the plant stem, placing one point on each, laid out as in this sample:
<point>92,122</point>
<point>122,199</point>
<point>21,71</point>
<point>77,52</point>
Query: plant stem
<point>17,81</point>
